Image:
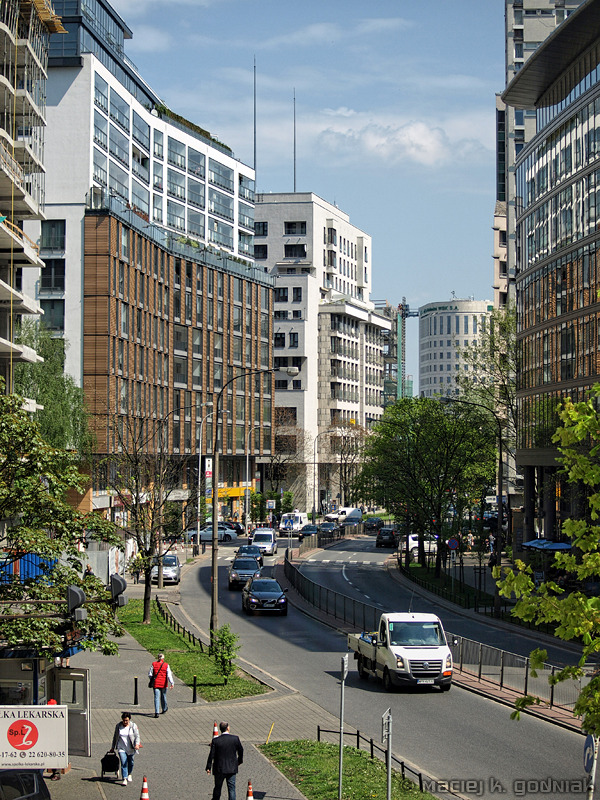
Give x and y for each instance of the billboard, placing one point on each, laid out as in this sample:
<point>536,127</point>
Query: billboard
<point>33,737</point>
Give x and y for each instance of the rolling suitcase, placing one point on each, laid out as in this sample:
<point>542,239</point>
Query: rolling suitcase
<point>110,763</point>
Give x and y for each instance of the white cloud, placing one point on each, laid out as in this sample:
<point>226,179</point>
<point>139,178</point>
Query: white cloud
<point>328,33</point>
<point>149,40</point>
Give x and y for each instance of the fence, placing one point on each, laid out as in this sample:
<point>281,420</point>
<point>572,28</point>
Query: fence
<point>401,766</point>
<point>500,667</point>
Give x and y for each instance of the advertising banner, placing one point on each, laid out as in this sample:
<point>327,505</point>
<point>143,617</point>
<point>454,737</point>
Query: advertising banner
<point>33,737</point>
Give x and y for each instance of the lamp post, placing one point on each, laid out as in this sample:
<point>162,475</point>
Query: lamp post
<point>247,489</point>
<point>214,595</point>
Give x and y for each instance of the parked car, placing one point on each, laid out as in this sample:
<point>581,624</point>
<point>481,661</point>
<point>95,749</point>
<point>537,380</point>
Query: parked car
<point>266,539</point>
<point>386,537</point>
<point>241,570</point>
<point>307,530</point>
<point>23,784</point>
<point>171,569</point>
<point>264,594</point>
<point>373,524</point>
<point>225,533</point>
<point>250,551</point>
<point>429,542</point>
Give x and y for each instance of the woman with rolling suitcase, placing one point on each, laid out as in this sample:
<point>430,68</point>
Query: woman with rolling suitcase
<point>126,742</point>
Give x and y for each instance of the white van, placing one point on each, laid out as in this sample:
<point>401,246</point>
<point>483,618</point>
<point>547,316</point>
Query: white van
<point>344,515</point>
<point>292,522</point>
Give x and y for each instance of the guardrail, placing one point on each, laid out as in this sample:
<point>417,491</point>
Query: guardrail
<point>500,667</point>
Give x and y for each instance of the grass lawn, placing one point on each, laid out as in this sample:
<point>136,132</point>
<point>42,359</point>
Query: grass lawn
<point>184,658</point>
<point>313,767</point>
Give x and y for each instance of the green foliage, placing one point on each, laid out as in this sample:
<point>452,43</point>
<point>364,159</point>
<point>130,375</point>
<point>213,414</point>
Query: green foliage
<point>287,503</point>
<point>258,506</point>
<point>575,615</point>
<point>35,480</point>
<point>224,648</point>
<point>63,420</point>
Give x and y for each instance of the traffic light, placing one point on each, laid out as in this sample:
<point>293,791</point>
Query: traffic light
<point>117,587</point>
<point>75,599</point>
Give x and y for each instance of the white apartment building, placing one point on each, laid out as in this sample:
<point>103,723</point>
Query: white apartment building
<point>325,324</point>
<point>445,328</point>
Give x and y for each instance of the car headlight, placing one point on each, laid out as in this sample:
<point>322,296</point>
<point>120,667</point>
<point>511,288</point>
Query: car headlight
<point>448,661</point>
<point>256,575</point>
<point>282,600</point>
<point>399,662</point>
<point>234,575</point>
<point>253,599</point>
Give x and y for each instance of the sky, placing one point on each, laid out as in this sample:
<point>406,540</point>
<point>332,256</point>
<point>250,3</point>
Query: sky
<point>395,114</point>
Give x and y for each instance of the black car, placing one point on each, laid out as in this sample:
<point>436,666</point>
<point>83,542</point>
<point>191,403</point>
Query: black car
<point>264,594</point>
<point>386,537</point>
<point>373,524</point>
<point>23,784</point>
<point>328,527</point>
<point>250,551</point>
<point>307,530</point>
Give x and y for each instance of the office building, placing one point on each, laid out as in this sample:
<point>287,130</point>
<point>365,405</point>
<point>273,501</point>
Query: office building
<point>148,244</point>
<point>558,247</point>
<point>325,325</point>
<point>25,30</point>
<point>445,328</point>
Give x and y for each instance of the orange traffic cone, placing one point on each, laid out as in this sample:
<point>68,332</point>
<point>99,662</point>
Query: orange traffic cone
<point>249,796</point>
<point>144,795</point>
<point>215,730</point>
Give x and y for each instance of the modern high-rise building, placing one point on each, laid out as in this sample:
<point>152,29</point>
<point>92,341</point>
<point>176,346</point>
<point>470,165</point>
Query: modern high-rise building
<point>445,328</point>
<point>325,325</point>
<point>527,24</point>
<point>558,253</point>
<point>25,30</point>
<point>148,245</point>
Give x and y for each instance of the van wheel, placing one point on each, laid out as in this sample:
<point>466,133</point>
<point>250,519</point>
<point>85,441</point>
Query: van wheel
<point>387,681</point>
<point>362,673</point>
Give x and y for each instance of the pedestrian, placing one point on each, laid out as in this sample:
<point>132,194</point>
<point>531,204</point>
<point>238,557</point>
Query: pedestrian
<point>126,743</point>
<point>89,573</point>
<point>225,756</point>
<point>160,677</point>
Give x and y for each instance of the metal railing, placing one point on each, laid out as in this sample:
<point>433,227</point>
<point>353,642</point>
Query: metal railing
<point>500,667</point>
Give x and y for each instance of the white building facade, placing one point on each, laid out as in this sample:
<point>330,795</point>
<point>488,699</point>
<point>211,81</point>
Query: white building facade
<point>445,328</point>
<point>325,324</point>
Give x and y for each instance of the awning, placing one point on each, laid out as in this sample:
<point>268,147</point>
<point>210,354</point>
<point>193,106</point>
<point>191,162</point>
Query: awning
<point>547,545</point>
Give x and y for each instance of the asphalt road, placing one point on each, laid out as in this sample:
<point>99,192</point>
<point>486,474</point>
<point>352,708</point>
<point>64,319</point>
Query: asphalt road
<point>455,735</point>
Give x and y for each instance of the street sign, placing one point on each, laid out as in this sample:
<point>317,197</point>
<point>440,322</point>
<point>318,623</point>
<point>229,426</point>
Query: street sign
<point>588,753</point>
<point>453,543</point>
<point>33,737</point>
<point>344,666</point>
<point>271,503</point>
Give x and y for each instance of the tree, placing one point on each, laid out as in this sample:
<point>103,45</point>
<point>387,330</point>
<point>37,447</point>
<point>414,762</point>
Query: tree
<point>41,527</point>
<point>420,455</point>
<point>575,614</point>
<point>143,475</point>
<point>347,443</point>
<point>289,453</point>
<point>63,420</point>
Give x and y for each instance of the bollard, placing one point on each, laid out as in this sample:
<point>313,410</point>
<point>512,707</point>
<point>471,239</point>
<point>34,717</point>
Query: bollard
<point>136,701</point>
<point>194,693</point>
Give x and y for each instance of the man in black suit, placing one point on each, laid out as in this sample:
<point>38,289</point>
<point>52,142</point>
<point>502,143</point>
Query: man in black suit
<point>225,756</point>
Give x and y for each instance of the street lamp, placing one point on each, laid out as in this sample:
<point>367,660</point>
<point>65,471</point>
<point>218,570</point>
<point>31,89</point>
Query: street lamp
<point>198,498</point>
<point>247,489</point>
<point>214,595</point>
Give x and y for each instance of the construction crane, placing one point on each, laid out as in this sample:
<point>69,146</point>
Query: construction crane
<point>403,313</point>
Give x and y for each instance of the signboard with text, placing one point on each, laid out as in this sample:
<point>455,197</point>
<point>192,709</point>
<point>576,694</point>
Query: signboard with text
<point>33,737</point>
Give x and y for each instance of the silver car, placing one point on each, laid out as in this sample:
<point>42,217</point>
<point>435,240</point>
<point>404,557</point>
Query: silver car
<point>241,570</point>
<point>171,569</point>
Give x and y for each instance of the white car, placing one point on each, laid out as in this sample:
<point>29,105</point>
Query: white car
<point>429,543</point>
<point>265,539</point>
<point>171,569</point>
<point>224,533</point>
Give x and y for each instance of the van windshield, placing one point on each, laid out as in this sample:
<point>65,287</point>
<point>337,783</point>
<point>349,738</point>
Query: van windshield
<point>416,634</point>
<point>262,537</point>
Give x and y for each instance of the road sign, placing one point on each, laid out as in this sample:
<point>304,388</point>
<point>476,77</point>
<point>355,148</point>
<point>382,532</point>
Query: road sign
<point>270,503</point>
<point>33,737</point>
<point>453,543</point>
<point>344,666</point>
<point>588,753</point>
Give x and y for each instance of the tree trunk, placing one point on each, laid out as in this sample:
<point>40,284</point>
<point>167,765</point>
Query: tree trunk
<point>147,594</point>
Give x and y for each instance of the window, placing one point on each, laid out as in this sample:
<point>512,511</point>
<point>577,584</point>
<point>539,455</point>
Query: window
<point>293,339</point>
<point>140,197</point>
<point>175,215</point>
<point>280,314</point>
<point>176,184</point>
<point>295,251</point>
<point>260,252</point>
<point>100,130</point>
<point>294,228</point>
<point>220,175</point>
<point>279,340</point>
<point>100,173</point>
<point>281,294</point>
<point>176,153</point>
<point>195,193</point>
<point>196,163</point>
<point>297,294</point>
<point>158,144</point>
<point>54,314</point>
<point>195,223</point>
<point>141,131</point>
<point>52,276</point>
<point>53,234</point>
<point>220,204</point>
<point>158,176</point>
<point>119,110</point>
<point>261,228</point>
<point>100,92</point>
<point>119,145</point>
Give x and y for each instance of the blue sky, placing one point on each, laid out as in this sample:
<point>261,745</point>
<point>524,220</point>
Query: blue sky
<point>394,117</point>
